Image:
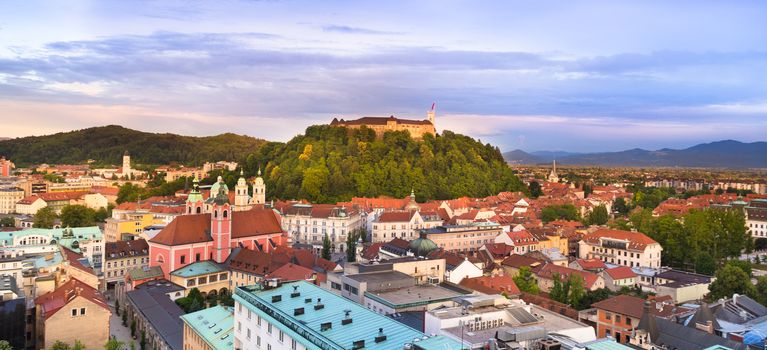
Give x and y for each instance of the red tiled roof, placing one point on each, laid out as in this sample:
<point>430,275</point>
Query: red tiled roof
<point>125,249</point>
<point>107,191</point>
<point>518,261</point>
<point>55,300</point>
<point>499,250</point>
<point>60,196</point>
<point>195,228</point>
<point>622,304</point>
<point>521,238</point>
<point>372,251</point>
<point>396,216</point>
<point>591,264</point>
<point>549,270</point>
<point>28,200</point>
<point>74,260</point>
<point>492,284</point>
<point>621,272</point>
<point>399,243</point>
<point>292,272</point>
<point>637,240</point>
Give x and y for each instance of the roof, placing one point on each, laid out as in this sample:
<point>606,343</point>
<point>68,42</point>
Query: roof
<point>377,121</point>
<point>198,268</point>
<point>548,271</point>
<point>214,325</point>
<point>591,264</point>
<point>124,249</point>
<point>60,196</point>
<point>396,216</point>
<point>28,200</point>
<point>195,228</point>
<point>621,272</point>
<point>140,273</point>
<point>606,344</point>
<point>74,260</point>
<point>55,300</point>
<point>622,304</point>
<point>292,272</point>
<point>492,284</point>
<point>365,324</point>
<point>160,311</point>
<point>517,261</point>
<point>636,240</point>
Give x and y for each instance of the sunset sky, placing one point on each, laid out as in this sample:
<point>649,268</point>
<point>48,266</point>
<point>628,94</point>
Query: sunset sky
<point>534,75</point>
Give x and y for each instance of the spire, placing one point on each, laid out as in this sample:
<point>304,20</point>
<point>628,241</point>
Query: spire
<point>241,173</point>
<point>259,170</point>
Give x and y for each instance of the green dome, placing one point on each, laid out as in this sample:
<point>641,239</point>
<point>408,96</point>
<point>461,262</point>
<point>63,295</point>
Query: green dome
<point>422,246</point>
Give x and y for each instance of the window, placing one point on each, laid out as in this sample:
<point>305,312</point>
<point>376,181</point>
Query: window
<point>248,314</point>
<point>197,257</point>
<point>258,321</point>
<point>608,316</point>
<point>239,326</point>
<point>258,341</point>
<point>281,336</point>
<point>74,312</point>
<point>293,345</point>
<point>617,318</point>
<point>248,336</point>
<point>183,259</point>
<point>269,328</point>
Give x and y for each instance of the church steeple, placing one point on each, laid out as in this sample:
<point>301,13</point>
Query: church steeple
<point>259,189</point>
<point>241,198</point>
<point>553,177</point>
<point>194,202</point>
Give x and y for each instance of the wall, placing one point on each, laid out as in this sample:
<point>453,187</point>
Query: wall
<point>92,329</point>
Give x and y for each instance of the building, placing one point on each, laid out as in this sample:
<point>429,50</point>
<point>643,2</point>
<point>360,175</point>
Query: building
<point>625,248</point>
<point>402,224</point>
<point>756,218</point>
<point>13,313</point>
<point>30,205</point>
<point>463,238</point>
<point>553,177</point>
<point>152,306</point>
<point>72,312</point>
<point>302,316</point>
<point>521,241</point>
<point>121,257</point>
<point>498,284</point>
<point>619,316</point>
<point>380,125</point>
<point>8,199</point>
<point>126,172</point>
<point>212,236</point>
<point>680,286</point>
<point>207,276</point>
<point>250,267</point>
<point>507,322</point>
<point>209,329</point>
<point>127,225</point>
<point>309,223</point>
<point>36,241</point>
<point>5,167</point>
<point>619,277</point>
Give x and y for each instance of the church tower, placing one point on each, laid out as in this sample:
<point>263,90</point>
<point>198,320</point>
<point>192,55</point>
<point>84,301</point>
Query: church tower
<point>194,202</point>
<point>126,165</point>
<point>241,198</point>
<point>553,177</point>
<point>221,226</point>
<point>259,190</point>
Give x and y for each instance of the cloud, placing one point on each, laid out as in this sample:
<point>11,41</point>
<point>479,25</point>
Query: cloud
<point>333,28</point>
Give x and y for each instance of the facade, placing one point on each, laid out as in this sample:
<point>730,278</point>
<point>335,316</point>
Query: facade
<point>521,241</point>
<point>380,125</point>
<point>632,249</point>
<point>8,199</point>
<point>756,218</point>
<point>5,167</point>
<point>619,277</point>
<point>121,257</point>
<point>123,225</point>
<point>30,205</point>
<point>212,236</point>
<point>309,223</point>
<point>73,311</point>
<point>402,224</point>
<point>36,241</point>
<point>300,316</point>
<point>199,335</point>
<point>207,276</point>
<point>463,238</point>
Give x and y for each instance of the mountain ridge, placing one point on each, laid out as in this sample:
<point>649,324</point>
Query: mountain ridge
<point>716,154</point>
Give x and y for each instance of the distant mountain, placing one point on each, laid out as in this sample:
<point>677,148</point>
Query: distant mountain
<point>518,156</point>
<point>720,154</point>
<point>551,155</point>
<point>106,144</point>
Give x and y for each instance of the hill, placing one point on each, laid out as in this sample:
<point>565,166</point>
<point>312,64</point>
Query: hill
<point>329,164</point>
<point>519,156</point>
<point>107,144</point>
<point>720,154</point>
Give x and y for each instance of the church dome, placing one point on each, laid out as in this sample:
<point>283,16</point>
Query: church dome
<point>217,186</point>
<point>422,246</point>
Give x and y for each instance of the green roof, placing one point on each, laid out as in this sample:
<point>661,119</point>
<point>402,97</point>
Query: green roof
<point>215,325</point>
<point>306,327</point>
<point>717,347</point>
<point>606,344</point>
<point>197,269</point>
<point>57,234</point>
<point>138,274</point>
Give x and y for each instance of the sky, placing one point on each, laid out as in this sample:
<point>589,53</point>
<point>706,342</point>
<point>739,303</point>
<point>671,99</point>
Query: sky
<point>578,76</point>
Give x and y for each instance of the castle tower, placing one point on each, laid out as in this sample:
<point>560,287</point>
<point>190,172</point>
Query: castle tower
<point>194,202</point>
<point>259,189</point>
<point>241,198</point>
<point>221,226</point>
<point>126,165</point>
<point>431,113</point>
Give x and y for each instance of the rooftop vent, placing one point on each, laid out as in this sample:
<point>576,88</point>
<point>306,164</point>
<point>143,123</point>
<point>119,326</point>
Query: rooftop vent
<point>307,300</point>
<point>295,293</point>
<point>381,336</point>
<point>347,318</point>
<point>276,298</point>
<point>325,326</point>
<point>298,311</point>
<point>319,305</point>
<point>359,344</point>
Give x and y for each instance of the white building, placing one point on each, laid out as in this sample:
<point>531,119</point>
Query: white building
<point>309,223</point>
<point>402,224</point>
<point>632,249</point>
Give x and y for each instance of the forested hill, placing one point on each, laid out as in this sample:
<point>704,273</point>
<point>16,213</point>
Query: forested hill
<point>107,144</point>
<point>330,164</point>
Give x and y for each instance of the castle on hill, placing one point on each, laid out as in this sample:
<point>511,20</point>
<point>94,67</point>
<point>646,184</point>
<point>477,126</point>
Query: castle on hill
<point>416,128</point>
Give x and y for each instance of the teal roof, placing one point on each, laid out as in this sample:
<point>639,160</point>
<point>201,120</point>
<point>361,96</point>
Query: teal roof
<point>606,344</point>
<point>197,269</point>
<point>717,347</point>
<point>215,325</point>
<point>40,261</point>
<point>78,234</point>
<point>306,327</point>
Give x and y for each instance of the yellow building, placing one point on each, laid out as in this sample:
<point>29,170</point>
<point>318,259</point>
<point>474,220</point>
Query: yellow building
<point>72,312</point>
<point>130,223</point>
<point>416,128</point>
<point>207,276</point>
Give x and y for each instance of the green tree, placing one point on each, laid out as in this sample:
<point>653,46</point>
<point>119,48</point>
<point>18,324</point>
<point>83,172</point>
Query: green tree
<point>351,246</point>
<point>133,327</point>
<point>142,342</point>
<point>60,345</point>
<point>129,193</point>
<point>7,222</point>
<point>705,264</point>
<point>557,291</point>
<point>77,216</point>
<point>559,212</point>
<point>598,216</point>
<point>620,206</point>
<point>525,280</point>
<point>5,345</point>
<point>125,319</point>
<point>113,344</point>
<point>730,279</point>
<point>741,264</point>
<point>535,189</point>
<point>577,290</point>
<point>587,190</point>
<point>78,345</point>
<point>761,290</point>
<point>326,247</point>
<point>45,218</point>
<point>117,307</point>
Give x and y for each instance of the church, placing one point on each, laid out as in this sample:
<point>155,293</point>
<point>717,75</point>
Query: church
<point>212,227</point>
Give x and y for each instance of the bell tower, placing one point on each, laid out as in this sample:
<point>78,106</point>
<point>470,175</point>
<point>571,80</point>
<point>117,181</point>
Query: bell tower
<point>241,198</point>
<point>194,202</point>
<point>221,226</point>
<point>259,189</point>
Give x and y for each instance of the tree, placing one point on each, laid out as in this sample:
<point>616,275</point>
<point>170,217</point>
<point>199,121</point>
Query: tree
<point>559,212</point>
<point>761,290</point>
<point>730,279</point>
<point>5,345</point>
<point>598,216</point>
<point>77,216</point>
<point>7,222</point>
<point>129,193</point>
<point>557,291</point>
<point>326,247</point>
<point>45,218</point>
<point>577,289</point>
<point>525,280</point>
<point>113,344</point>
<point>132,345</point>
<point>587,190</point>
<point>351,246</point>
<point>125,319</point>
<point>142,342</point>
<point>760,244</point>
<point>620,206</point>
<point>535,189</point>
<point>705,264</point>
<point>78,345</point>
<point>741,264</point>
<point>60,345</point>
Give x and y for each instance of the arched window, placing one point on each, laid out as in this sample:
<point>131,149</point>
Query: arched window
<point>215,213</point>
<point>225,213</point>
<point>160,259</point>
<point>199,210</point>
<point>189,211</point>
